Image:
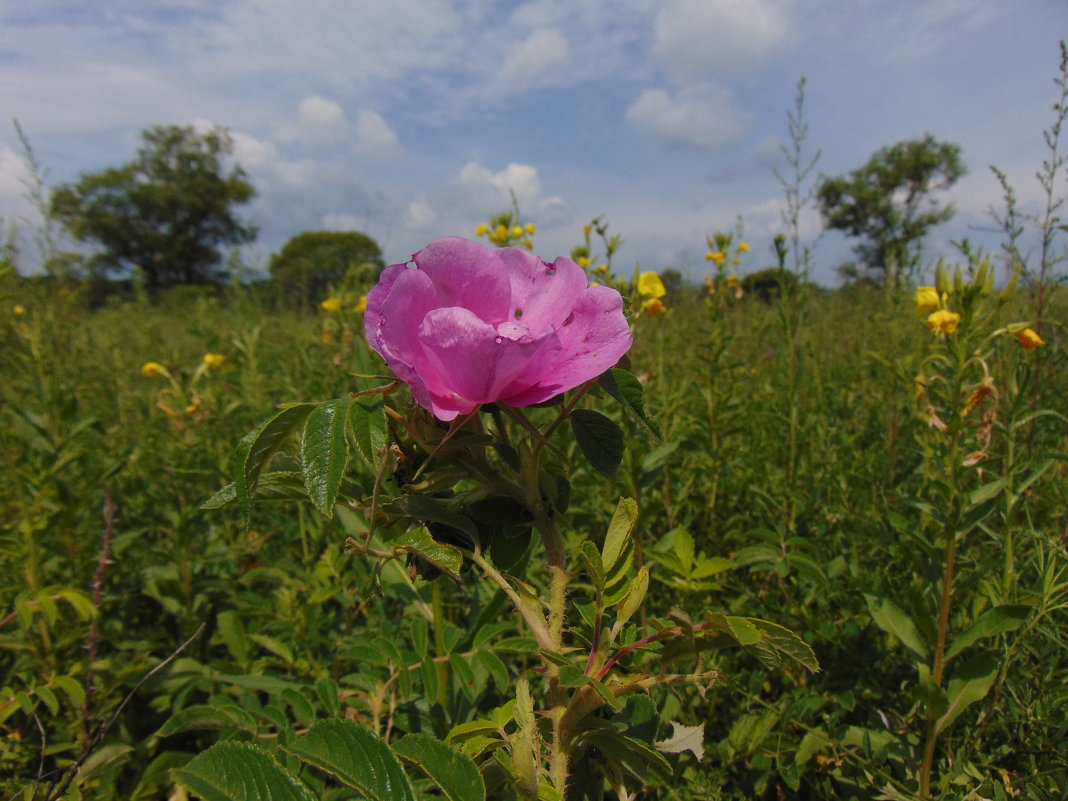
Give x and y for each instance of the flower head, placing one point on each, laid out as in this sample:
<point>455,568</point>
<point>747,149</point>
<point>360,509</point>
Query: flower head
<point>716,256</point>
<point>743,247</point>
<point>214,360</point>
<point>943,321</point>
<point>650,285</point>
<point>583,261</point>
<point>926,300</point>
<point>361,305</point>
<point>464,325</point>
<point>19,310</point>
<point>1030,339</point>
<point>481,229</point>
<point>331,304</point>
<point>152,369</point>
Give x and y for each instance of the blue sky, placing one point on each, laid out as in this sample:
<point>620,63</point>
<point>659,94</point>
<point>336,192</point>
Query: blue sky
<point>413,119</point>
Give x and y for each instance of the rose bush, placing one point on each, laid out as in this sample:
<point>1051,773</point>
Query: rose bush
<point>463,325</point>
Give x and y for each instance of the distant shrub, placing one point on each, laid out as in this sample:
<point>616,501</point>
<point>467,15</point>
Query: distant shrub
<point>768,284</point>
<point>310,263</point>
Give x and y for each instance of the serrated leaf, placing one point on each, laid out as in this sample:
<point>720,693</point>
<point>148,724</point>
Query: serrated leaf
<point>445,558</point>
<point>599,439</point>
<point>277,485</point>
<point>627,390</point>
<point>451,771</point>
<point>355,756</point>
<point>367,418</point>
<point>684,738</point>
<point>971,682</point>
<point>258,447</point>
<point>785,642</point>
<point>324,452</point>
<point>233,771</point>
<point>204,717</point>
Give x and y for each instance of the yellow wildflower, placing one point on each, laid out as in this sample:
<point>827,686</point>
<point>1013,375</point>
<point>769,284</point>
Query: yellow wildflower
<point>19,310</point>
<point>926,300</point>
<point>743,247</point>
<point>716,256</point>
<point>481,229</point>
<point>500,234</point>
<point>517,231</point>
<point>530,229</point>
<point>595,283</point>
<point>152,369</point>
<point>583,262</point>
<point>943,321</point>
<point>361,305</point>
<point>732,281</point>
<point>602,270</point>
<point>710,285</point>
<point>649,284</point>
<point>653,306</point>
<point>331,304</point>
<point>214,360</point>
<point>1030,339</point>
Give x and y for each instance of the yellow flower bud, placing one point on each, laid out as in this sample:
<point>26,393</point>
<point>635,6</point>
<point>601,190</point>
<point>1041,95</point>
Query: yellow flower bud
<point>649,284</point>
<point>743,247</point>
<point>1030,339</point>
<point>152,369</point>
<point>927,300</point>
<point>361,305</point>
<point>19,310</point>
<point>214,360</point>
<point>583,262</point>
<point>530,229</point>
<point>943,321</point>
<point>481,229</point>
<point>331,304</point>
<point>716,256</point>
<point>517,231</point>
<point>601,270</point>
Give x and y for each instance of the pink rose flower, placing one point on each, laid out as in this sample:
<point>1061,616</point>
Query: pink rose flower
<point>468,325</point>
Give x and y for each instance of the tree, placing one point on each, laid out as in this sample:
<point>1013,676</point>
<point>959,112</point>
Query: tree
<point>168,212</point>
<point>888,203</point>
<point>310,262</point>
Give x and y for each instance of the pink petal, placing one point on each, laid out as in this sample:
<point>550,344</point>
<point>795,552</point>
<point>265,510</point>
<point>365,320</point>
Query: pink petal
<point>468,275</point>
<point>591,340</point>
<point>466,361</point>
<point>411,295</point>
<point>542,294</point>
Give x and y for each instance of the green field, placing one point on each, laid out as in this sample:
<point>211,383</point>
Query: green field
<point>803,476</point>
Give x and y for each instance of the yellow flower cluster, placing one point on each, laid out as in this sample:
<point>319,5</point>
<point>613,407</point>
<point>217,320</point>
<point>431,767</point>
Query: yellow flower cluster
<point>502,235</point>
<point>331,304</point>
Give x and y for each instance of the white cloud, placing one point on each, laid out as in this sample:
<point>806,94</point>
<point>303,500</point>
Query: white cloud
<point>321,120</point>
<point>697,37</point>
<point>492,190</point>
<point>543,51</point>
<point>341,222</point>
<point>421,214</point>
<point>374,137</point>
<point>698,115</point>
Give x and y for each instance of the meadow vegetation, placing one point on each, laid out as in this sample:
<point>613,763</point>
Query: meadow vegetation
<point>880,470</point>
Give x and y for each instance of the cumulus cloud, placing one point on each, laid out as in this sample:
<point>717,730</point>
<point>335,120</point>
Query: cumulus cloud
<point>543,51</point>
<point>699,115</point>
<point>321,120</point>
<point>697,37</point>
<point>421,215</point>
<point>492,189</point>
<point>374,137</point>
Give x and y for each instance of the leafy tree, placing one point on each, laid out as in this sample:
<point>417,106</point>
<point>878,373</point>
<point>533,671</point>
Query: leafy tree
<point>311,262</point>
<point>888,204</point>
<point>167,212</point>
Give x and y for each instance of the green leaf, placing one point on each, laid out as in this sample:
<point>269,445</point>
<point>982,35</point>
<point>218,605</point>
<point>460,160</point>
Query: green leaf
<point>889,617</point>
<point>202,717</point>
<point>278,485</point>
<point>600,440</point>
<point>258,447</point>
<point>785,642</point>
<point>451,771</point>
<point>987,491</point>
<point>232,632</point>
<point>233,771</point>
<point>72,688</point>
<point>618,537</point>
<point>429,510</point>
<point>356,757</point>
<point>367,418</point>
<point>992,622</point>
<point>633,599</point>
<point>445,558</point>
<point>324,452</point>
<point>594,567</point>
<point>970,683</point>
<point>625,388</point>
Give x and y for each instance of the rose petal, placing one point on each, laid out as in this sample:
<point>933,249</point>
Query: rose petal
<point>411,297</point>
<point>542,294</point>
<point>468,275</point>
<point>466,361</point>
<point>594,338</point>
